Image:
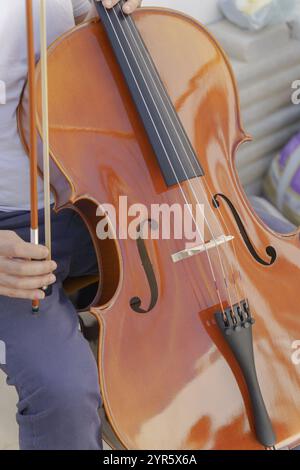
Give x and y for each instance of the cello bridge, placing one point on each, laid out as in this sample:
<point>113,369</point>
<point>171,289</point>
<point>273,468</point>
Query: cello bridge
<point>195,250</point>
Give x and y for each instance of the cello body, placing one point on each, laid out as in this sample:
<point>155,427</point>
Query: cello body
<point>168,379</point>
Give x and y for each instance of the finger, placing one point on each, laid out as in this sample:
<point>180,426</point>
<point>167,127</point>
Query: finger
<point>21,249</point>
<point>130,6</point>
<point>110,3</point>
<point>26,268</point>
<point>22,293</point>
<point>26,283</point>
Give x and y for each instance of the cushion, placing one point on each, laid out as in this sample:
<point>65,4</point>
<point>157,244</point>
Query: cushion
<point>256,14</point>
<point>282,183</point>
<point>271,216</point>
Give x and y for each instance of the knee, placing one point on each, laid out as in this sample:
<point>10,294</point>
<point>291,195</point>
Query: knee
<point>70,392</point>
<point>60,389</point>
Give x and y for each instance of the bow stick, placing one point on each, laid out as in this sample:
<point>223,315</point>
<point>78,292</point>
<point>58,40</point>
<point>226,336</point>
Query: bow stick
<point>45,126</point>
<point>33,153</point>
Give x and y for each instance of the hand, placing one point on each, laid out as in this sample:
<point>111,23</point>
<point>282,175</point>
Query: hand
<point>21,277</point>
<point>129,5</point>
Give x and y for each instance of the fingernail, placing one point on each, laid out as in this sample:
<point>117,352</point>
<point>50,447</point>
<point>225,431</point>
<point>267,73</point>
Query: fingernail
<point>52,279</point>
<point>108,3</point>
<point>39,295</point>
<point>54,265</point>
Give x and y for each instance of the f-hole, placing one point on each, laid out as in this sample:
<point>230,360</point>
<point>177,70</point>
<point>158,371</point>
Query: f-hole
<point>270,250</point>
<point>136,302</point>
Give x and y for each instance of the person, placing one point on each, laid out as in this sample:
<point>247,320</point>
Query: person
<point>47,359</point>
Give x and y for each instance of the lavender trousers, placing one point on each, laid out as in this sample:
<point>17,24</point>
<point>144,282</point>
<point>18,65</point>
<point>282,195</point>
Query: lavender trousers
<point>48,360</point>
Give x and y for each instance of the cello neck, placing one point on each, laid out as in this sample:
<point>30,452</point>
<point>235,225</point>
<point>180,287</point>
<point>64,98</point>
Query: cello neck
<point>173,150</point>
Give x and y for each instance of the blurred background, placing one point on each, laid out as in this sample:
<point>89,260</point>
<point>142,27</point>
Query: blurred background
<point>262,40</point>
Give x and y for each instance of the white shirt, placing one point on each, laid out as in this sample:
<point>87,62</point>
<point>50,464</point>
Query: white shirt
<point>14,163</point>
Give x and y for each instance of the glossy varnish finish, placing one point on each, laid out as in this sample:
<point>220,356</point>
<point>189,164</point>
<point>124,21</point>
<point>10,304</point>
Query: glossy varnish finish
<point>168,380</point>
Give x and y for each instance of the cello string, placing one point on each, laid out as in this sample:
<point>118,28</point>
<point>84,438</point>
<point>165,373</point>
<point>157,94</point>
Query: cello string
<point>170,163</point>
<point>178,157</point>
<point>45,125</point>
<point>127,20</point>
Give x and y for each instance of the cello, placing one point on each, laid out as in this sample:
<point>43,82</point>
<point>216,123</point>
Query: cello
<point>195,340</point>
